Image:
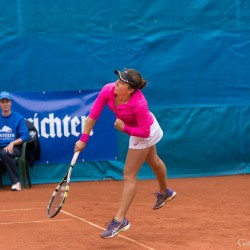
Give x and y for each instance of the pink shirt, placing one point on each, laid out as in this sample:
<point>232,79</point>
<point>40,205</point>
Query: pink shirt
<point>135,114</point>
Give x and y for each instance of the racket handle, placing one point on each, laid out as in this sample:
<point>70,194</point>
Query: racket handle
<point>74,159</point>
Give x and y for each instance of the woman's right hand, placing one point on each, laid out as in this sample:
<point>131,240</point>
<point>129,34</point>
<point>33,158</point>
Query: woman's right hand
<point>79,146</point>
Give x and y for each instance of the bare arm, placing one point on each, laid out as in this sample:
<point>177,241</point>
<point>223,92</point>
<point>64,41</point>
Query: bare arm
<point>89,125</point>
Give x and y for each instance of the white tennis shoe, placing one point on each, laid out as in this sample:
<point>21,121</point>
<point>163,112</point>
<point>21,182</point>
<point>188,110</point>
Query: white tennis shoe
<point>16,187</point>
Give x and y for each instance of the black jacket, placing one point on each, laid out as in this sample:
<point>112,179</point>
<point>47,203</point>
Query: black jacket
<point>33,150</point>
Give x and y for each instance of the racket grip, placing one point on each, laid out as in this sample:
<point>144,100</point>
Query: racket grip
<point>74,159</point>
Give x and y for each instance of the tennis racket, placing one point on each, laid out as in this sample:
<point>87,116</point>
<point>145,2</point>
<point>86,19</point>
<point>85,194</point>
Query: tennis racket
<point>61,192</point>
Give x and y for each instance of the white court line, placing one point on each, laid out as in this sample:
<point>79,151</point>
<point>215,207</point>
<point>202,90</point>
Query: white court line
<point>29,222</point>
<point>119,235</point>
<point>19,209</point>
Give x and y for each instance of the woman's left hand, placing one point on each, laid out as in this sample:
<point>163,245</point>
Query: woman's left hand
<point>119,124</point>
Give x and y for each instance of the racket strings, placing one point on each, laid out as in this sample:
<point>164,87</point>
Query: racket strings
<point>61,192</point>
<point>57,199</point>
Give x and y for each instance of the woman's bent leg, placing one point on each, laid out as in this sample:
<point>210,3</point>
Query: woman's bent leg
<point>158,168</point>
<point>165,194</point>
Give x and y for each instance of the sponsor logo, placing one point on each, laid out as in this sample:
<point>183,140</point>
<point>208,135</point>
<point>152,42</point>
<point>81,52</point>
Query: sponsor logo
<point>6,133</point>
<point>53,126</point>
<point>6,129</point>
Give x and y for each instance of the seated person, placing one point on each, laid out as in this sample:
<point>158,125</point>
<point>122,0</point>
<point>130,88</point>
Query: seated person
<point>13,132</point>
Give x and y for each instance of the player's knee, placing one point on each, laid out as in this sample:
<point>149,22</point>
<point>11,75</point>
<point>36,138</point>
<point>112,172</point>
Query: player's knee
<point>128,175</point>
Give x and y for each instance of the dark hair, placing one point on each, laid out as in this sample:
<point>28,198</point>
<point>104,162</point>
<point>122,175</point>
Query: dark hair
<point>139,81</point>
<point>132,77</point>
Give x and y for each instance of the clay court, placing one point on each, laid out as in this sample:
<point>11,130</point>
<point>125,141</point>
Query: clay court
<point>207,213</point>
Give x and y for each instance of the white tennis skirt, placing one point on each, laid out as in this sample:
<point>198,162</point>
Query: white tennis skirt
<point>156,134</point>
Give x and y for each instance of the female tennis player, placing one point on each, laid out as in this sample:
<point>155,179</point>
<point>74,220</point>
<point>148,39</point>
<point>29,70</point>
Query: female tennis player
<point>126,100</point>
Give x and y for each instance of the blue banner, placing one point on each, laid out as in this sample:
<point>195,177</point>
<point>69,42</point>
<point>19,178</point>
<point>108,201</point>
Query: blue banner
<point>60,117</point>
